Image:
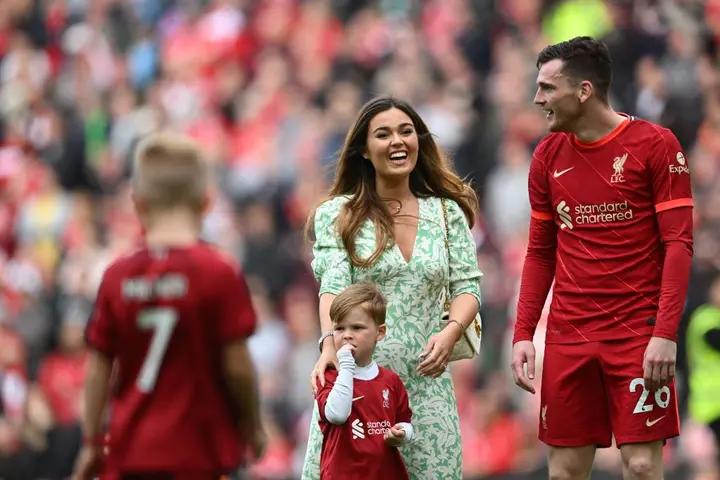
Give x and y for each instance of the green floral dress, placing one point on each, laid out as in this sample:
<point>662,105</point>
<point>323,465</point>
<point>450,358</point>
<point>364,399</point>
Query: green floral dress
<point>415,293</point>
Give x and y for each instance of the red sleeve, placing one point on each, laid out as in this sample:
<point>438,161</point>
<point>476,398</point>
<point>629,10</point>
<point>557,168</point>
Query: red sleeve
<point>539,267</point>
<point>676,232</point>
<point>669,173</point>
<point>672,194</point>
<point>404,413</point>
<point>538,188</point>
<point>237,316</point>
<point>323,392</point>
<point>100,330</point>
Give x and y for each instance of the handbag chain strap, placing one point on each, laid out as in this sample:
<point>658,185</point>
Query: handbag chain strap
<point>478,328</point>
<point>447,249</point>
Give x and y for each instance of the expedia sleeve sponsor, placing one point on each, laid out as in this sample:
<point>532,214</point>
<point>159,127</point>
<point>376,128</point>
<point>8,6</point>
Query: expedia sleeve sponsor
<point>681,167</point>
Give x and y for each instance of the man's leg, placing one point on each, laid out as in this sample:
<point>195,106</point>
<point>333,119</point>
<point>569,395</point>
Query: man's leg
<point>642,419</point>
<point>574,417</point>
<point>570,463</point>
<point>642,461</point>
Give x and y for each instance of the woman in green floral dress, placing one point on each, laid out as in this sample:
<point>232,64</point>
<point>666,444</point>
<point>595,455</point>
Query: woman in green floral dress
<point>384,223</point>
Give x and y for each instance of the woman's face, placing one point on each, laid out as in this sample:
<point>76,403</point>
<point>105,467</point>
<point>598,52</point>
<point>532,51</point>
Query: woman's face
<point>392,144</point>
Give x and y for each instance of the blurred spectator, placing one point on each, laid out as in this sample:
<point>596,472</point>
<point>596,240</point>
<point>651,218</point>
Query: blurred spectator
<point>60,386</point>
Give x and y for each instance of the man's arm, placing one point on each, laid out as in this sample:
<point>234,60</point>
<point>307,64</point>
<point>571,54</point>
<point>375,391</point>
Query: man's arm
<point>539,267</point>
<point>676,232</point>
<point>672,196</point>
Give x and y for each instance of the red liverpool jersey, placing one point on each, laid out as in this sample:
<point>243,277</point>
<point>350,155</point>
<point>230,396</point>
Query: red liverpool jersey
<point>356,450</point>
<point>163,316</point>
<point>603,198</point>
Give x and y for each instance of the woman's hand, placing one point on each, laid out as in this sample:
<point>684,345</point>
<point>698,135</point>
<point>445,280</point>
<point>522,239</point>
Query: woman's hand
<point>438,350</point>
<point>327,357</point>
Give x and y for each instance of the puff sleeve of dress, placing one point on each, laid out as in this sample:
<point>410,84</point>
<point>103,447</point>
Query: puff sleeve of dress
<point>331,263</point>
<point>465,276</point>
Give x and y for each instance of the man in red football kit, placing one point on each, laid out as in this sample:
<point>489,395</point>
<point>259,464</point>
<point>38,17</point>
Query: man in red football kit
<point>170,322</point>
<point>612,225</point>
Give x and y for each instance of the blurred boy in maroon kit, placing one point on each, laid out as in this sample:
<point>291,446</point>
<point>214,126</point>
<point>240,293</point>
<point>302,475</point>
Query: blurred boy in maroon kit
<point>171,321</point>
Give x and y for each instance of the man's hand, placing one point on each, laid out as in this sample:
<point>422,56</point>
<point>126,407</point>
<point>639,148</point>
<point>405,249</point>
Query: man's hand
<point>659,363</point>
<point>394,435</point>
<point>523,352</point>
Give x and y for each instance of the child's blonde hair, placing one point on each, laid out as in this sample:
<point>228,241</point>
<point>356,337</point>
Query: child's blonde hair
<point>364,295</point>
<point>168,172</point>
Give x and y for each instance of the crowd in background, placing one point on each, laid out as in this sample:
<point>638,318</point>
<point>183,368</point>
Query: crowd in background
<point>269,89</point>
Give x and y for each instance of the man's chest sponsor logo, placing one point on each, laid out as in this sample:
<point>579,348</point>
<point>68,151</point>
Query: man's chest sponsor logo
<point>594,213</point>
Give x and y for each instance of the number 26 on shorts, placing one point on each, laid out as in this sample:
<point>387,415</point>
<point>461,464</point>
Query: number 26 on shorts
<point>162,322</point>
<point>662,397</point>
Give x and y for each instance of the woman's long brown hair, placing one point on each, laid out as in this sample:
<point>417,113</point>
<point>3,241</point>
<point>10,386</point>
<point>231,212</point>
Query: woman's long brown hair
<point>355,177</point>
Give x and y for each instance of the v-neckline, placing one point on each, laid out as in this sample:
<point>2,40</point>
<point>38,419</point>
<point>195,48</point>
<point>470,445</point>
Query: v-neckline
<point>396,246</point>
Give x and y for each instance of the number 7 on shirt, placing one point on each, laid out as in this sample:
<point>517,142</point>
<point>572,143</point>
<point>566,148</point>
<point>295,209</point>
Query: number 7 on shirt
<point>162,321</point>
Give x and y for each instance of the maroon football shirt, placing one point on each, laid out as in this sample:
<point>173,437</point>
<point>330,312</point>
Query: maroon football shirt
<point>604,198</point>
<point>164,315</point>
<point>356,449</point>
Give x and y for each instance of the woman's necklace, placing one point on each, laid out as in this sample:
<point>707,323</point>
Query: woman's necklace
<point>395,211</point>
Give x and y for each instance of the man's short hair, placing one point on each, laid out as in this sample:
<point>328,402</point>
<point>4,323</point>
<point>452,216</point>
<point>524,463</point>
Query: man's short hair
<point>169,171</point>
<point>584,58</point>
<point>364,295</point>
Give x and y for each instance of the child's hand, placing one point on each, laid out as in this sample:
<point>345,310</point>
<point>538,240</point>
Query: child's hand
<point>346,357</point>
<point>395,435</point>
<point>347,348</point>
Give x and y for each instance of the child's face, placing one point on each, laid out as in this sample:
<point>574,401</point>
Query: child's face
<point>359,330</point>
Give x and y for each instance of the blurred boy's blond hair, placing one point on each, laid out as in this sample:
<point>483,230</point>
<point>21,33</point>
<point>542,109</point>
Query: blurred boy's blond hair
<point>170,185</point>
<point>169,171</point>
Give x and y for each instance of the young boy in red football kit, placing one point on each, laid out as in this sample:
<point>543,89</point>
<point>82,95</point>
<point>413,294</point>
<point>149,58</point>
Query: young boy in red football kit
<point>364,409</point>
<point>171,321</point>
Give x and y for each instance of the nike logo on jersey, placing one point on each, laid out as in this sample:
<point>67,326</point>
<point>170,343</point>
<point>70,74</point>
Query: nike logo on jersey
<point>650,423</point>
<point>563,172</point>
<point>358,398</point>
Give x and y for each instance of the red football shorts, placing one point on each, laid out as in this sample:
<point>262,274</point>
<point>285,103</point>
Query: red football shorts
<point>591,391</point>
